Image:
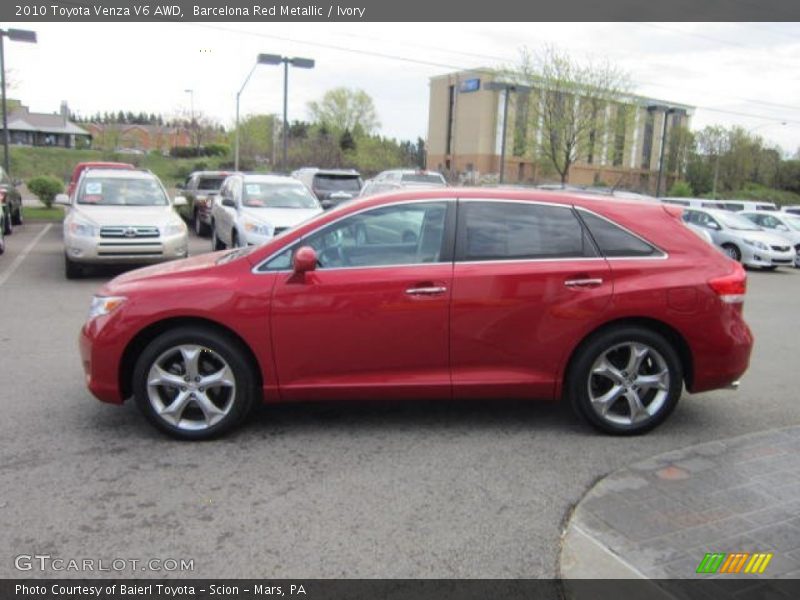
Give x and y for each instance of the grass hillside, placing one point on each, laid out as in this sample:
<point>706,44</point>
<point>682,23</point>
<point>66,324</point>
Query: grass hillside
<point>29,162</point>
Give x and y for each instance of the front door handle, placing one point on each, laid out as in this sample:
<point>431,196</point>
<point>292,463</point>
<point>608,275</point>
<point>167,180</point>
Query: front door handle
<point>588,282</point>
<point>433,290</point>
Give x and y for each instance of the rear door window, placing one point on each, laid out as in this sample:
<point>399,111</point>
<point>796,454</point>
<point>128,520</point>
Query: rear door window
<point>496,230</point>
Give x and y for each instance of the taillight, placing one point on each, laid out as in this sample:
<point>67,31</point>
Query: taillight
<point>732,287</point>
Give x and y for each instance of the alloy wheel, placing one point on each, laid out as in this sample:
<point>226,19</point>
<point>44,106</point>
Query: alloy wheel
<point>191,387</point>
<point>628,384</point>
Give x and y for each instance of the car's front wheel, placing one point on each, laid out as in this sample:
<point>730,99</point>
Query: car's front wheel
<point>17,219</point>
<point>194,383</point>
<point>625,380</point>
<point>733,252</point>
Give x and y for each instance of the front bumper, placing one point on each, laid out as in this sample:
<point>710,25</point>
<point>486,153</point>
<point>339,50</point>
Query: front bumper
<point>758,257</point>
<point>100,357</point>
<point>97,250</point>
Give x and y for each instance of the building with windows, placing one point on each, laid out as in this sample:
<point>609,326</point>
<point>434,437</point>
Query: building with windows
<point>466,123</point>
<point>45,129</point>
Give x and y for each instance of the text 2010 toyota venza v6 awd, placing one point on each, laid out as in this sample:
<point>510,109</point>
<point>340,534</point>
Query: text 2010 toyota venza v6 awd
<point>614,305</point>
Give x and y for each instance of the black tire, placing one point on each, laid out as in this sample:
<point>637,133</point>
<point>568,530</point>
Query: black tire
<point>200,228</point>
<point>16,219</point>
<point>72,270</point>
<point>216,342</point>
<point>216,243</point>
<point>7,230</point>
<point>2,241</point>
<point>234,239</point>
<point>581,382</point>
<point>770,268</point>
<point>733,252</point>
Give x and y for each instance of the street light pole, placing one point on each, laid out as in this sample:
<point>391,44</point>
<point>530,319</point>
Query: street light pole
<point>16,35</point>
<point>285,112</point>
<point>508,88</point>
<point>191,113</point>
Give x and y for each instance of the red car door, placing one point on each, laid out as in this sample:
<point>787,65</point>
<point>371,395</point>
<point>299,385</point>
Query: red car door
<point>372,320</point>
<point>527,283</point>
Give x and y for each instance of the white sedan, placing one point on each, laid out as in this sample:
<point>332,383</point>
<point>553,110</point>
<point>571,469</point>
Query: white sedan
<point>252,209</point>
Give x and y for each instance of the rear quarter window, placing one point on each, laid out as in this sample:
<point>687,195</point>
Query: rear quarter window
<point>614,241</point>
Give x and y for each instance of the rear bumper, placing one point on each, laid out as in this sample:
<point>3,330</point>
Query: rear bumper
<point>721,357</point>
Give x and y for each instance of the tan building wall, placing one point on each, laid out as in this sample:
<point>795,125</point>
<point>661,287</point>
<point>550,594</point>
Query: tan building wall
<point>472,150</point>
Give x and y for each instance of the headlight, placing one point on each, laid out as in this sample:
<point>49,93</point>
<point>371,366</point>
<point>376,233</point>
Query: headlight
<point>81,228</point>
<point>257,228</point>
<point>175,228</point>
<point>756,244</point>
<point>103,305</point>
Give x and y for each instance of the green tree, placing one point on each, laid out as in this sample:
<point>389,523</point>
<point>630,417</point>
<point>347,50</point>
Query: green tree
<point>343,109</point>
<point>257,138</point>
<point>569,98</point>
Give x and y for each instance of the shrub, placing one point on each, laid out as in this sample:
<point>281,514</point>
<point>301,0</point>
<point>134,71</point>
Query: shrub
<point>45,188</point>
<point>680,189</point>
<point>217,150</point>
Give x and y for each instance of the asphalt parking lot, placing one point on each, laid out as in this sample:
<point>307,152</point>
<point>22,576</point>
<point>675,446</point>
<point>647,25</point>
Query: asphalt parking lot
<point>454,490</point>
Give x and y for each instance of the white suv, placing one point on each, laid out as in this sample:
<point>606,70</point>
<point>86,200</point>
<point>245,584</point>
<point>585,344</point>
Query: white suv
<point>120,217</point>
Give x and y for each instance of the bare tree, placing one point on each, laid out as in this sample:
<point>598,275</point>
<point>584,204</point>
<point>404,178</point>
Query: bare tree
<point>569,103</point>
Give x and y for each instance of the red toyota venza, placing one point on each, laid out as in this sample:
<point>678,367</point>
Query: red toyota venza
<point>612,305</point>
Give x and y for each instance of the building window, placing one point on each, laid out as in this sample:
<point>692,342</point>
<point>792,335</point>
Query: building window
<point>619,135</point>
<point>451,101</point>
<point>521,123</point>
<point>647,142</point>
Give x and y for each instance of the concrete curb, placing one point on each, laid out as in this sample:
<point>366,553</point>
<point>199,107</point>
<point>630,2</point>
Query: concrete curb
<point>654,519</point>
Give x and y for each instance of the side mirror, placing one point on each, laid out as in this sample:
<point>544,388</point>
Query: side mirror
<point>180,201</point>
<point>62,199</point>
<point>326,204</point>
<point>714,226</point>
<point>228,201</point>
<point>781,227</point>
<point>305,259</point>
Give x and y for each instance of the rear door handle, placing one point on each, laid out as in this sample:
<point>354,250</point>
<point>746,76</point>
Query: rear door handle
<point>588,282</point>
<point>432,290</point>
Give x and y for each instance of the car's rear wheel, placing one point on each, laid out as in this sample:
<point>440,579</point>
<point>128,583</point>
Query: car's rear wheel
<point>216,243</point>
<point>194,383</point>
<point>733,252</point>
<point>16,219</point>
<point>72,270</point>
<point>625,380</point>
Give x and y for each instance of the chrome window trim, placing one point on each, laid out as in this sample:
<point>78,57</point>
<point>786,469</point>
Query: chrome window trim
<point>255,269</point>
<point>664,254</point>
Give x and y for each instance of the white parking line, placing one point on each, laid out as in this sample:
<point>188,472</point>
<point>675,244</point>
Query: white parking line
<point>18,261</point>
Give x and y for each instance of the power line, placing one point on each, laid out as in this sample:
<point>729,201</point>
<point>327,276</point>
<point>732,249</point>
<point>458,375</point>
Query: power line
<point>464,68</point>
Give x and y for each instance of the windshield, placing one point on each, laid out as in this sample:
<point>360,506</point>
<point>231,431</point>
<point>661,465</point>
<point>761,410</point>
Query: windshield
<point>337,183</point>
<point>211,184</point>
<point>738,222</point>
<point>120,191</point>
<point>793,222</point>
<point>277,195</point>
<point>432,178</point>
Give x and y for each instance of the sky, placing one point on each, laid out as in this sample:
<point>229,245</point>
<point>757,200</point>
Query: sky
<point>745,74</point>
